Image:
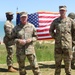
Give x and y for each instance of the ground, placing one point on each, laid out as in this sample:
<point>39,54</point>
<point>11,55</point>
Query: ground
<point>46,67</point>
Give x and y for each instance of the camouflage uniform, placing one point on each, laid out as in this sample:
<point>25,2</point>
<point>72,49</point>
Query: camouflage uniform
<point>72,16</point>
<point>65,28</point>
<point>24,32</point>
<point>8,41</point>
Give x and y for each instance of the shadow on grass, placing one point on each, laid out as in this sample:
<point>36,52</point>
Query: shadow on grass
<point>41,65</point>
<point>6,70</point>
<point>73,67</point>
<point>3,70</point>
<point>52,66</point>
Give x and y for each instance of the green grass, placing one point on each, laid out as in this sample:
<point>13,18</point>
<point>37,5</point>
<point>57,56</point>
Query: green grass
<point>44,52</point>
<point>3,54</point>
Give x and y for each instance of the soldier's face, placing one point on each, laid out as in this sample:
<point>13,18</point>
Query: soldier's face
<point>63,12</point>
<point>10,17</point>
<point>23,19</point>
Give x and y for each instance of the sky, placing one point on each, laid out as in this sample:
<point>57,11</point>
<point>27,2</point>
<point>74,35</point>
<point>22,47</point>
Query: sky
<point>32,6</point>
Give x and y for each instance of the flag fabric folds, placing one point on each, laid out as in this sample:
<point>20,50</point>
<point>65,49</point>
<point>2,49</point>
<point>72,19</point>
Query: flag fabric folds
<point>42,22</point>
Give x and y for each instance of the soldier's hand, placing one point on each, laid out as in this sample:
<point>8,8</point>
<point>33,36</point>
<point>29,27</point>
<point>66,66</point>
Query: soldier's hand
<point>28,40</point>
<point>22,42</point>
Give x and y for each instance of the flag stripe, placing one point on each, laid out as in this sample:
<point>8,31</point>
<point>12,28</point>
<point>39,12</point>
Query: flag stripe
<point>43,30</point>
<point>46,24</point>
<point>46,32</point>
<point>43,35</point>
<point>49,16</point>
<point>44,38</point>
<point>56,13</point>
<point>45,20</point>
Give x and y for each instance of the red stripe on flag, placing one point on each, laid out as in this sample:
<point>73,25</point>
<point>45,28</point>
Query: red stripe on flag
<point>48,13</point>
<point>42,21</point>
<point>44,34</point>
<point>47,16</point>
<point>46,29</point>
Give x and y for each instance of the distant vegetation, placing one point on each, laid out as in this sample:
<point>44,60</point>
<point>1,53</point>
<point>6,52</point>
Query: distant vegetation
<point>44,52</point>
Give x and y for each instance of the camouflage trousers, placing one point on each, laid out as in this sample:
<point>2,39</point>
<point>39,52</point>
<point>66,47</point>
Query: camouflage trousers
<point>66,55</point>
<point>73,59</point>
<point>32,60</point>
<point>9,55</point>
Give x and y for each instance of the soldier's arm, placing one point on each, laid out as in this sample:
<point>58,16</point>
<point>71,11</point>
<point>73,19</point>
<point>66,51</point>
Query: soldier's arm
<point>8,30</point>
<point>73,32</point>
<point>34,36</point>
<point>51,30</point>
<point>14,34</point>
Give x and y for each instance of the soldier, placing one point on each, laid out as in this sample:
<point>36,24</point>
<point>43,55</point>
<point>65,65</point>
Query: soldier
<point>26,35</point>
<point>9,41</point>
<point>72,16</point>
<point>64,34</point>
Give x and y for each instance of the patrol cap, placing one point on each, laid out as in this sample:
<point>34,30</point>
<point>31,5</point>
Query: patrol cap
<point>9,13</point>
<point>23,14</point>
<point>62,7</point>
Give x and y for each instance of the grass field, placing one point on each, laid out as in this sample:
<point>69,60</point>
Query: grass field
<point>45,56</point>
<point>44,52</point>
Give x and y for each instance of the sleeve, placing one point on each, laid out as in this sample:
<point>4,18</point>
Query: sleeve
<point>51,30</point>
<point>8,30</point>
<point>34,35</point>
<point>73,32</point>
<point>14,34</point>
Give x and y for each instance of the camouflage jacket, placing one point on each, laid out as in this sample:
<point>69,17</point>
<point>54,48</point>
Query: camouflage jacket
<point>63,31</point>
<point>25,32</point>
<point>8,27</point>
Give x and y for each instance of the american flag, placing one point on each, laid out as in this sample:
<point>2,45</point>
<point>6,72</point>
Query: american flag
<point>42,22</point>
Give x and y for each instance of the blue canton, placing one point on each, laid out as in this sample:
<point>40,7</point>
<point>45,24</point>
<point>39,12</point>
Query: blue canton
<point>33,18</point>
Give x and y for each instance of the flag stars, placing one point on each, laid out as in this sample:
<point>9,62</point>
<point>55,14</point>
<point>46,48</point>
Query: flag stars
<point>33,18</point>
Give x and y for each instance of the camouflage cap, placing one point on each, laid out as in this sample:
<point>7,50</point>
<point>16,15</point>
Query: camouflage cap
<point>71,15</point>
<point>9,13</point>
<point>62,7</point>
<point>23,14</point>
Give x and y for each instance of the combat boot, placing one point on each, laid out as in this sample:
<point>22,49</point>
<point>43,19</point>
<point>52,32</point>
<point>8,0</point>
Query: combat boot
<point>11,69</point>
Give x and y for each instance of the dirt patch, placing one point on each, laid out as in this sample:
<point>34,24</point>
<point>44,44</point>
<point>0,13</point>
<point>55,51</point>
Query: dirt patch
<point>46,67</point>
